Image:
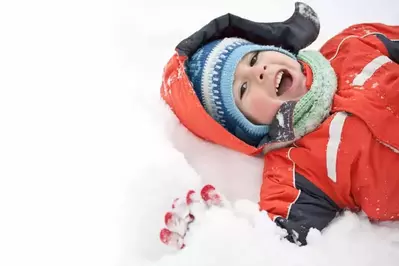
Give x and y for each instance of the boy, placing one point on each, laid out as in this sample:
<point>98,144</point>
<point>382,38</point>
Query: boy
<point>326,121</point>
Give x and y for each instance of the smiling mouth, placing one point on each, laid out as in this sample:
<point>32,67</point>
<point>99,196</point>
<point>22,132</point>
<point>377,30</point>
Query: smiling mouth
<point>283,82</point>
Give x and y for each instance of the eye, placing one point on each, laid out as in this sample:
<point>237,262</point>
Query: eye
<point>243,89</point>
<point>254,58</point>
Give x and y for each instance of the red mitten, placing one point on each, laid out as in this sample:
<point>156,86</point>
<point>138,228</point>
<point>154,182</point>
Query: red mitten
<point>178,220</point>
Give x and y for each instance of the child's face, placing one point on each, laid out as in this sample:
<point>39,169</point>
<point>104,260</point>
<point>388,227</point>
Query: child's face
<point>263,81</point>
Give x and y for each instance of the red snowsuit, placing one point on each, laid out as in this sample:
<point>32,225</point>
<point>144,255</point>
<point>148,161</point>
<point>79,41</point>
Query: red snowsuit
<point>350,161</point>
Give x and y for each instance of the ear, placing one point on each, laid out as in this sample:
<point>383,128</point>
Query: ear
<point>294,34</point>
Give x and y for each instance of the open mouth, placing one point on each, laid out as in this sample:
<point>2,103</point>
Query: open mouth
<point>283,82</point>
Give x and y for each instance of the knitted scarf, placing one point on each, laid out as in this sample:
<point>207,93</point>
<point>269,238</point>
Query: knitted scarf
<point>315,105</point>
<point>296,119</point>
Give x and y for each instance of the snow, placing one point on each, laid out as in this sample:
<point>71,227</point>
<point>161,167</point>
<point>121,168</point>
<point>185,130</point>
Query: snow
<point>307,12</point>
<point>91,158</point>
<point>280,119</point>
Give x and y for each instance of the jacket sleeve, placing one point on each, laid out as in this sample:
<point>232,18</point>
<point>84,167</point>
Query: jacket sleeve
<point>294,203</point>
<point>392,46</point>
<point>370,54</point>
<point>389,37</point>
<point>378,36</point>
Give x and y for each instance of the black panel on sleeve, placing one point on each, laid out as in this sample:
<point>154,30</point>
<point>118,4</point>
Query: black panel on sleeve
<point>392,47</point>
<point>312,209</point>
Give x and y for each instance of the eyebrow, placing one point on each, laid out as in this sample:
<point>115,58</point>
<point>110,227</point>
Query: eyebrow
<point>242,59</point>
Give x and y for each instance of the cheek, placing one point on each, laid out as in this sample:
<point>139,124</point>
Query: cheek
<point>262,108</point>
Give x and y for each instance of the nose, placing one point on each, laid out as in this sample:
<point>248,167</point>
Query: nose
<point>260,72</point>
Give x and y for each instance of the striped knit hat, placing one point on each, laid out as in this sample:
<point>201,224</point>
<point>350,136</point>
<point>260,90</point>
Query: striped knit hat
<point>211,70</point>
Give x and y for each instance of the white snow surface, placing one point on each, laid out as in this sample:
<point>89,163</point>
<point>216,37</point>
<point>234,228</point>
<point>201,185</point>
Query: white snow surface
<point>91,158</point>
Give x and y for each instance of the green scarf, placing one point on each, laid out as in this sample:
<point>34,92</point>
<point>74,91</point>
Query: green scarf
<point>315,105</point>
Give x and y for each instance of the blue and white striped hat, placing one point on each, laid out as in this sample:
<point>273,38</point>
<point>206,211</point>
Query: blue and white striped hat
<point>211,70</point>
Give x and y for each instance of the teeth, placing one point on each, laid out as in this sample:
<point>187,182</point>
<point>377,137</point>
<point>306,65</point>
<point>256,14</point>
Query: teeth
<point>278,79</point>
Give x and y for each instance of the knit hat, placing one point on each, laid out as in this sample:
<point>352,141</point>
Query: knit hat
<point>211,70</point>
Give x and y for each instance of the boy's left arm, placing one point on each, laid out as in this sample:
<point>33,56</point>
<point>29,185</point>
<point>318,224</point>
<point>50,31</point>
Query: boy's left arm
<point>382,37</point>
<point>392,47</point>
<point>389,37</point>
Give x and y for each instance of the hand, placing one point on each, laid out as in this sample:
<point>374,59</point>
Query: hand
<point>184,212</point>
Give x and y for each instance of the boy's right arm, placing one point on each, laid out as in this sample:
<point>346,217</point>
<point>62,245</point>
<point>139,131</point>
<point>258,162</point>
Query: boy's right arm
<point>294,203</point>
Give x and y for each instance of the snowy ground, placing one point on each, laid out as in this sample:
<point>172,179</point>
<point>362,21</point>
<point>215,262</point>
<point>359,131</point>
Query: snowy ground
<point>91,158</point>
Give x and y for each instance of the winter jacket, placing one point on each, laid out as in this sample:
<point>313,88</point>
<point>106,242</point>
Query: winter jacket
<point>351,161</point>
